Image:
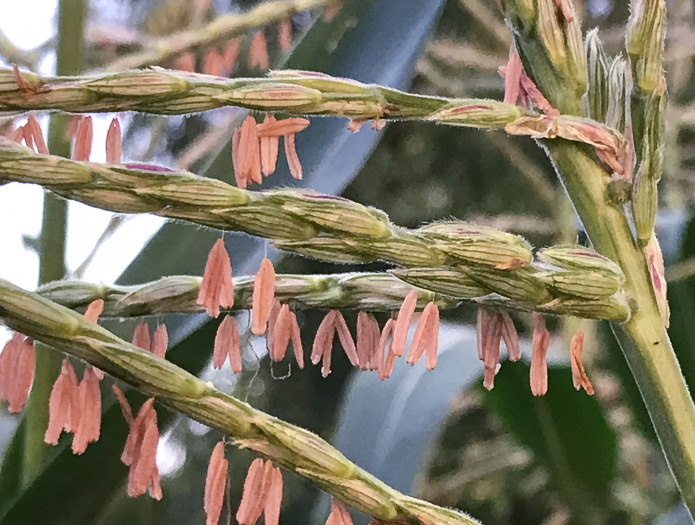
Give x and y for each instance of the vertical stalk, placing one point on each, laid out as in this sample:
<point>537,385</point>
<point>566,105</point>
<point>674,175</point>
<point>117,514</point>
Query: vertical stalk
<point>71,15</point>
<point>643,338</point>
<point>549,46</point>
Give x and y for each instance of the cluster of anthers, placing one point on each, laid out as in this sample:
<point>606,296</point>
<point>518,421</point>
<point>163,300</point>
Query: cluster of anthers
<point>374,348</point>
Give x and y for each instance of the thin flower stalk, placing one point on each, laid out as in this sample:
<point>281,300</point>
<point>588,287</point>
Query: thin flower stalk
<point>285,444</point>
<point>371,292</point>
<point>293,218</point>
<point>296,93</point>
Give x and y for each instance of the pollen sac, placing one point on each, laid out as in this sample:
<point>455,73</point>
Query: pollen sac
<point>583,283</point>
<point>124,85</point>
<point>479,244</point>
<point>449,281</point>
<point>335,213</point>
<point>574,257</point>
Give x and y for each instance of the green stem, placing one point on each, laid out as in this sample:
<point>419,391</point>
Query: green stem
<point>643,338</point>
<point>71,14</point>
<point>544,49</point>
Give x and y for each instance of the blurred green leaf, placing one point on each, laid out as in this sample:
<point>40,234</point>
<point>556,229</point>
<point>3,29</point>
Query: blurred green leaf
<point>567,432</point>
<point>681,295</point>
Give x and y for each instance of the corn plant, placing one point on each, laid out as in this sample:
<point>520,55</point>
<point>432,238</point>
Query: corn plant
<point>600,119</point>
